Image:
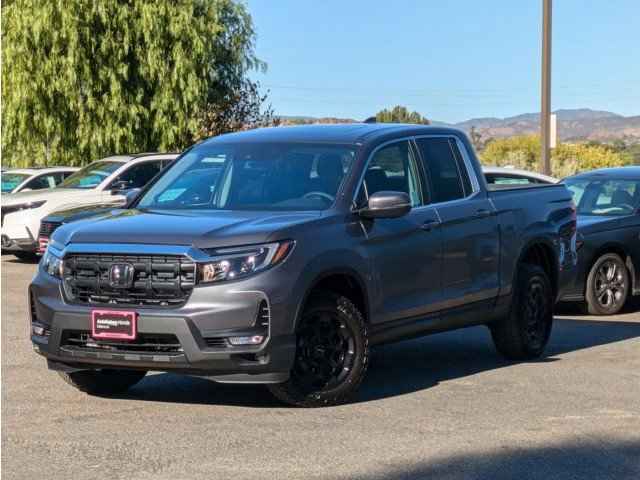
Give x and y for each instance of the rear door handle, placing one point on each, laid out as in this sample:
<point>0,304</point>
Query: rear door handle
<point>429,225</point>
<point>482,213</point>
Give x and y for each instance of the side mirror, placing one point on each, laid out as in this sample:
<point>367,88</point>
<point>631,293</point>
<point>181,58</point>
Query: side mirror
<point>131,195</point>
<point>386,205</point>
<point>118,186</point>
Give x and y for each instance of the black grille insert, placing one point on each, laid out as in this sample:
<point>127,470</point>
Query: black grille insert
<point>144,343</point>
<point>47,228</point>
<point>157,280</point>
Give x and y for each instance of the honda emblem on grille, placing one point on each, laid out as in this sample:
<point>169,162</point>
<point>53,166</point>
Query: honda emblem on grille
<point>121,275</point>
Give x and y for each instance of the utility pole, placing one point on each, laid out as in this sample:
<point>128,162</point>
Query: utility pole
<point>545,111</point>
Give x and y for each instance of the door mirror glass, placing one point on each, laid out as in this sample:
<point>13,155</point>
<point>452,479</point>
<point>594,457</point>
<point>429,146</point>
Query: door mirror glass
<point>387,205</point>
<point>131,195</point>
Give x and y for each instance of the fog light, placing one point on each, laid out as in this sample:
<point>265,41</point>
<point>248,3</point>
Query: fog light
<point>253,340</point>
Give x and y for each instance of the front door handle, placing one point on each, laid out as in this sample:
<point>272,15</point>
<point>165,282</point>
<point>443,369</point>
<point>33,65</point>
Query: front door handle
<point>482,213</point>
<point>429,225</point>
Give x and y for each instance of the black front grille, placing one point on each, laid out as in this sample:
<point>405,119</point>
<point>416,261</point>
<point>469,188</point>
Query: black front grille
<point>47,228</point>
<point>157,343</point>
<point>157,280</point>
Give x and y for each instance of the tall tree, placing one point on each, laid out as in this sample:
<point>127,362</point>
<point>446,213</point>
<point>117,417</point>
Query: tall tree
<point>400,114</point>
<point>87,79</point>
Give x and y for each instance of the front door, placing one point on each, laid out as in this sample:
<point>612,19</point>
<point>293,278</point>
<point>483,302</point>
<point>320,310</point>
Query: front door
<point>405,252</point>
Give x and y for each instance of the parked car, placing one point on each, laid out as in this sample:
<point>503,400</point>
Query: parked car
<point>514,176</point>
<point>103,181</point>
<point>292,252</point>
<point>608,202</point>
<point>28,179</point>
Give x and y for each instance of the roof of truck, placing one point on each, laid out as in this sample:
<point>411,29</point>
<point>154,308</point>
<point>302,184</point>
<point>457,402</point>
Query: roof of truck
<point>334,133</point>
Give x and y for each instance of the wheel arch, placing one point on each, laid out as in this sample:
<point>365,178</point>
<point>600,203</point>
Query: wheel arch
<point>540,251</point>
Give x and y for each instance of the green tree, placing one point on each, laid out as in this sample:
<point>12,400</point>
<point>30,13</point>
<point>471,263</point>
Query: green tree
<point>400,114</point>
<point>567,159</point>
<point>86,79</point>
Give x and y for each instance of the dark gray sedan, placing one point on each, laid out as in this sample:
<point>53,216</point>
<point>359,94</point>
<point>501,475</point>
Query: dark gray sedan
<point>608,202</point>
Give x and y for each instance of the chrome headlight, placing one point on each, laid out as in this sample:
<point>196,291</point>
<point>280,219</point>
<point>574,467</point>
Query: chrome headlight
<point>240,262</point>
<point>52,264</point>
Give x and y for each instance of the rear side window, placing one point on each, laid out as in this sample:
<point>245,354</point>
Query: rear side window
<point>443,169</point>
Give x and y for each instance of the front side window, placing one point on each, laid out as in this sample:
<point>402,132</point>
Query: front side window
<point>41,182</point>
<point>92,175</point>
<point>11,180</point>
<point>443,169</point>
<point>137,176</point>
<point>253,176</point>
<point>605,197</point>
<point>392,168</point>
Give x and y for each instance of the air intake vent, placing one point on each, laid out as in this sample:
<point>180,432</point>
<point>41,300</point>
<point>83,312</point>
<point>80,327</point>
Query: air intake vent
<point>264,314</point>
<point>217,342</point>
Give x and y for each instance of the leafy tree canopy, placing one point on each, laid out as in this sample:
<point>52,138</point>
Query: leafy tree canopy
<point>400,114</point>
<point>83,79</point>
<point>567,159</point>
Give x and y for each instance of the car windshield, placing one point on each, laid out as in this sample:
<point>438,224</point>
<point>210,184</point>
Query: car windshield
<point>605,197</point>
<point>92,175</point>
<point>11,180</point>
<point>253,176</point>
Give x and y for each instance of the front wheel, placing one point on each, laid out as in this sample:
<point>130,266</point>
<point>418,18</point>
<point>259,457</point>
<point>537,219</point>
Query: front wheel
<point>332,354</point>
<point>607,285</point>
<point>103,382</point>
<point>524,333</point>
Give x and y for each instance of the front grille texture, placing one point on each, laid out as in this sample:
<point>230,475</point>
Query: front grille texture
<point>156,343</point>
<point>216,342</point>
<point>47,228</point>
<point>156,281</point>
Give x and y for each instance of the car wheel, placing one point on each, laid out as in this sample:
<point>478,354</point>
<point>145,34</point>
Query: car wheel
<point>103,382</point>
<point>607,285</point>
<point>524,333</point>
<point>332,354</point>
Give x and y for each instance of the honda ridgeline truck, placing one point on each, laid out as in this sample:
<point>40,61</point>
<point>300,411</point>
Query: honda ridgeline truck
<point>281,256</point>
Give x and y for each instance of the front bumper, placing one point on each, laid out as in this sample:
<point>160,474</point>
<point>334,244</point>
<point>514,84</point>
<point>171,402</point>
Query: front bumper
<point>20,231</point>
<point>212,312</point>
<point>19,244</point>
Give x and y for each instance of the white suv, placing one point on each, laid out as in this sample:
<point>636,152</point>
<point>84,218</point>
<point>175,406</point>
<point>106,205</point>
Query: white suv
<point>102,182</point>
<point>26,179</point>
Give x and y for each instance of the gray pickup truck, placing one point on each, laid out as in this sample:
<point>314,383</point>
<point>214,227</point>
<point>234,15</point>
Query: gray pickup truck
<point>281,256</point>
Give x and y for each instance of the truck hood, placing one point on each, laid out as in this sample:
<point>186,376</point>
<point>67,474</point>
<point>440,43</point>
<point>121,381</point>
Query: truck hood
<point>191,228</point>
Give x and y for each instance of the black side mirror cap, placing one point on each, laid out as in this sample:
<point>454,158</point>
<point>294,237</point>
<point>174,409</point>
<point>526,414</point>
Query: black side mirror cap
<point>131,195</point>
<point>386,205</point>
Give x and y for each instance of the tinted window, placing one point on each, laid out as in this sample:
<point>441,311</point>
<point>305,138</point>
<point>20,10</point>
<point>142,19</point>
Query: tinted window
<point>392,168</point>
<point>605,197</point>
<point>442,168</point>
<point>41,182</point>
<point>253,176</point>
<point>92,175</point>
<point>12,180</point>
<point>506,180</point>
<point>137,176</point>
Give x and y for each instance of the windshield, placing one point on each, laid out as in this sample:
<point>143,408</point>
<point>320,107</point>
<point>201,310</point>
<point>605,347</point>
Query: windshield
<point>605,197</point>
<point>92,175</point>
<point>253,176</point>
<point>12,180</point>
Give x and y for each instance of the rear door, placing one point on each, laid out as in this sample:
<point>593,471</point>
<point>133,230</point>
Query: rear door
<point>406,251</point>
<point>469,226</point>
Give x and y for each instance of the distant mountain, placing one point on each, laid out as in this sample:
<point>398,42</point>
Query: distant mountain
<point>580,124</point>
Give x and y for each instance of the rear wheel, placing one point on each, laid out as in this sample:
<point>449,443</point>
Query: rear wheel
<point>332,354</point>
<point>607,285</point>
<point>103,382</point>
<point>524,333</point>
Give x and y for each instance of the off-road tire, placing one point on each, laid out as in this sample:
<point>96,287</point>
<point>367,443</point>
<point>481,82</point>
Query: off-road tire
<point>524,333</point>
<point>355,359</point>
<point>103,382</point>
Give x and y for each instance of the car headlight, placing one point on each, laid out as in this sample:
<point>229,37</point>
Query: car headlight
<point>52,264</point>
<point>240,262</point>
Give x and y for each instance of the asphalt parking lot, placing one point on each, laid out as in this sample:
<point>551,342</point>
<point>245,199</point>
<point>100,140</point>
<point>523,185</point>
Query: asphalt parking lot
<point>445,406</point>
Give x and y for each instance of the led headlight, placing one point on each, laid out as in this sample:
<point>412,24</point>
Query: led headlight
<point>239,262</point>
<point>51,264</point>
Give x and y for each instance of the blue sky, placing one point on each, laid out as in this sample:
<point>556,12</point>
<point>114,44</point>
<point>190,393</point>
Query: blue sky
<point>450,60</point>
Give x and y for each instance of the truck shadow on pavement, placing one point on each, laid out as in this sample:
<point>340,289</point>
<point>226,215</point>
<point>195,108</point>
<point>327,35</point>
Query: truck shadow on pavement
<point>401,368</point>
<point>593,458</point>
